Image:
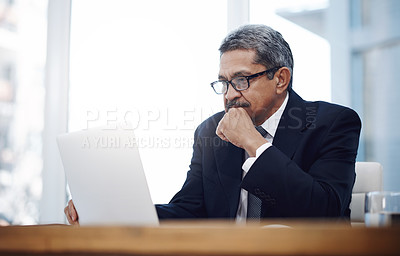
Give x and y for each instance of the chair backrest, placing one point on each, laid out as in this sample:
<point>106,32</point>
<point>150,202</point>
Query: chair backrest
<point>368,178</point>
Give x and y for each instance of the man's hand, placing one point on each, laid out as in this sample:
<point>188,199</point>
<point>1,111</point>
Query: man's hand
<point>237,128</point>
<point>71,214</point>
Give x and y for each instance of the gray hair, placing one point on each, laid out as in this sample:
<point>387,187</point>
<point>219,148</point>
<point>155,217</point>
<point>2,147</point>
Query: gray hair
<point>270,47</point>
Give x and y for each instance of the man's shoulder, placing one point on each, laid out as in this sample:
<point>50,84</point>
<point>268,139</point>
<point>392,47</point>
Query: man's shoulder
<point>322,109</point>
<point>323,114</point>
<point>332,109</point>
<point>319,113</point>
<point>320,106</point>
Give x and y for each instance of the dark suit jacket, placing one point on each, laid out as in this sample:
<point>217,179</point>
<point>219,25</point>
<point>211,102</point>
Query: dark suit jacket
<point>308,172</point>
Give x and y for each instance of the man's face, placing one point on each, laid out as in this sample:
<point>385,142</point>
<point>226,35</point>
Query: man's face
<point>260,100</point>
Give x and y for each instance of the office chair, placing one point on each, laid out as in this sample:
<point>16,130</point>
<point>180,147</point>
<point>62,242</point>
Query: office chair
<point>368,178</point>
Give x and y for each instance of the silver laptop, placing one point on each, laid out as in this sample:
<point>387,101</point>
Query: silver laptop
<point>106,177</point>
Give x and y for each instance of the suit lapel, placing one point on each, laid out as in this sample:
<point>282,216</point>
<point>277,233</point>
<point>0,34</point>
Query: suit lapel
<point>291,126</point>
<point>229,165</point>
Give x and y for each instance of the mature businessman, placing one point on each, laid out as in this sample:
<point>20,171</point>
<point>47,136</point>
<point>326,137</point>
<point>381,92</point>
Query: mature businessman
<point>270,153</point>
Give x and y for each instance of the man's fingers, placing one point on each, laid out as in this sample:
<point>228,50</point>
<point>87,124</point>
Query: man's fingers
<point>219,131</point>
<point>66,211</point>
<point>71,214</point>
<point>72,211</point>
<point>236,127</point>
<point>222,136</point>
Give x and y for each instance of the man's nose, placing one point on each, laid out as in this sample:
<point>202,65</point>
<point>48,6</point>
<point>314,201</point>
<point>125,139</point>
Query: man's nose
<point>231,93</point>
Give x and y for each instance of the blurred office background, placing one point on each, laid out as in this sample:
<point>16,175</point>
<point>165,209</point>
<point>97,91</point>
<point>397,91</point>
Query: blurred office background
<point>67,65</point>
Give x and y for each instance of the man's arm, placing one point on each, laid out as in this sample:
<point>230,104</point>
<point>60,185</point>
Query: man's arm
<point>323,188</point>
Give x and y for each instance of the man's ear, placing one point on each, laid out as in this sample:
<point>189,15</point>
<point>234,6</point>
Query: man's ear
<point>282,77</point>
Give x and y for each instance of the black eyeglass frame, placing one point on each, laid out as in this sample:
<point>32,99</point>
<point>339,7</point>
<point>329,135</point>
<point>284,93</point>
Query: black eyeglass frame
<point>248,78</point>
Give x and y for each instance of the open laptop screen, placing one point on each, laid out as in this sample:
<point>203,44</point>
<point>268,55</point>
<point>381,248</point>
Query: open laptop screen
<point>106,177</point>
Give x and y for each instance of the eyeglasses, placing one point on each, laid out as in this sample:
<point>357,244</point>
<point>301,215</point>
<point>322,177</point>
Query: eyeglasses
<point>239,83</point>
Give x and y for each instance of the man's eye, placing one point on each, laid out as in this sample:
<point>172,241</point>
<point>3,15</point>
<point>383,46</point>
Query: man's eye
<point>240,79</point>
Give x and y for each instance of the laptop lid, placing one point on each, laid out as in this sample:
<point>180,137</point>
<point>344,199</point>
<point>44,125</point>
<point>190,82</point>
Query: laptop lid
<point>106,178</point>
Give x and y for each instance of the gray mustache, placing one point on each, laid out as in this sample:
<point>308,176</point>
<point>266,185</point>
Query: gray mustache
<point>236,104</point>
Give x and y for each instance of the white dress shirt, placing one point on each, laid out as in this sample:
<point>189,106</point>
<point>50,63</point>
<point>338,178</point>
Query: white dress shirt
<point>270,125</point>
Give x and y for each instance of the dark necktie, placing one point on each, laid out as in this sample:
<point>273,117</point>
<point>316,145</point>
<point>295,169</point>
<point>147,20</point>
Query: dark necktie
<point>262,131</point>
<point>253,202</point>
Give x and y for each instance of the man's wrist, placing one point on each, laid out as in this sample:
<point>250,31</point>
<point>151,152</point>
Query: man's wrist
<point>250,161</point>
<point>252,147</point>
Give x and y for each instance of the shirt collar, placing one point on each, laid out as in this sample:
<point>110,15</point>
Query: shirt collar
<point>271,124</point>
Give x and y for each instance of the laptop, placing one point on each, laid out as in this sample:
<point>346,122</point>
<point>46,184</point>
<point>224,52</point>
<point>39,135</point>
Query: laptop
<point>106,177</point>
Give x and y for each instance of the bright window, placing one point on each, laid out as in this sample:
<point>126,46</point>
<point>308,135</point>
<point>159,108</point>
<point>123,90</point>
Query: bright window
<point>22,64</point>
<point>150,62</point>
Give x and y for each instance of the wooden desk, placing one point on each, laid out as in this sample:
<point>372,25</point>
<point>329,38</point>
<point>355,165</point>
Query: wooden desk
<point>201,238</point>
